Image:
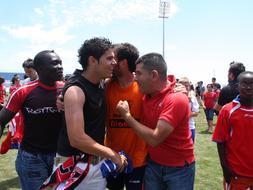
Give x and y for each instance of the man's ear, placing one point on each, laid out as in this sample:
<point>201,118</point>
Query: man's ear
<point>124,61</point>
<point>92,59</point>
<point>155,74</point>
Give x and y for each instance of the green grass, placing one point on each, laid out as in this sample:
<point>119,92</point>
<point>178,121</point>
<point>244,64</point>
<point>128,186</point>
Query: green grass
<point>8,175</point>
<point>208,171</point>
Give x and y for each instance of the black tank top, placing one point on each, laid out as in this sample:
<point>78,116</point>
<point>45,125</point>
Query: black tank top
<point>94,113</point>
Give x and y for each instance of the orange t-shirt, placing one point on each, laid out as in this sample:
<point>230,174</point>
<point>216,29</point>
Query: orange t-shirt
<point>120,136</point>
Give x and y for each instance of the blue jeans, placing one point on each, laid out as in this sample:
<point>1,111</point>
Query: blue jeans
<point>193,135</point>
<point>132,181</point>
<point>159,177</point>
<point>33,169</point>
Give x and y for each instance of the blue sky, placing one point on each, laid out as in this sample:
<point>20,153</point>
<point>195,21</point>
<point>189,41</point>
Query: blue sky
<point>201,36</point>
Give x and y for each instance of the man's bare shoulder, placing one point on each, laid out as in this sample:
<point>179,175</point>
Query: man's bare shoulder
<point>74,93</point>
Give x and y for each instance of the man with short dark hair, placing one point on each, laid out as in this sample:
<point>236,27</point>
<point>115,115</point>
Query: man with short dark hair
<point>164,127</point>
<point>229,92</point>
<point>233,135</point>
<point>29,71</point>
<point>85,114</point>
<point>42,120</point>
<point>119,135</point>
<point>15,132</point>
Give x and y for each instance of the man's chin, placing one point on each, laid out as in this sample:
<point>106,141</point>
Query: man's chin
<point>59,77</point>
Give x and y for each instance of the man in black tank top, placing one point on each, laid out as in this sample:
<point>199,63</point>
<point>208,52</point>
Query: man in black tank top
<point>85,111</point>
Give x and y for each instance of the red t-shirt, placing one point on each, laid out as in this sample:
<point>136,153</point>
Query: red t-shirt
<point>235,127</point>
<point>217,92</point>
<point>173,108</point>
<point>14,87</point>
<point>209,99</point>
<point>2,94</point>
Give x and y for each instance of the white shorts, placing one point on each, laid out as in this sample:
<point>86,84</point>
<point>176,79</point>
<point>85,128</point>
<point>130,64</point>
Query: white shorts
<point>93,180</point>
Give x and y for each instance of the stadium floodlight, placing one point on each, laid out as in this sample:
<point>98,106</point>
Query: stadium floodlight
<point>164,10</point>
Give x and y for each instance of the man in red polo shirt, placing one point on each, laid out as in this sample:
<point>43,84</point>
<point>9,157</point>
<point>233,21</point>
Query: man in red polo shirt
<point>233,134</point>
<point>164,127</point>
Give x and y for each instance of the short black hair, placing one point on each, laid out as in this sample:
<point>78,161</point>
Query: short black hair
<point>28,63</point>
<point>95,47</point>
<point>129,52</point>
<point>236,68</point>
<point>154,61</point>
<point>2,80</point>
<point>39,58</point>
<point>14,78</point>
<point>218,86</point>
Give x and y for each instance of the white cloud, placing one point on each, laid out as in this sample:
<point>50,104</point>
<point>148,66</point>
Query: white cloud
<point>38,35</point>
<point>64,15</point>
<point>38,11</point>
<point>54,22</point>
<point>106,11</point>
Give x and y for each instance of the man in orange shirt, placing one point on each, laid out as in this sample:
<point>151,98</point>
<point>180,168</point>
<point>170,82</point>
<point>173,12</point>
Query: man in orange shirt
<point>119,135</point>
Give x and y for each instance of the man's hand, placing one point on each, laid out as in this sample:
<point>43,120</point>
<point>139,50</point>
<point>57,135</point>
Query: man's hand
<point>119,160</point>
<point>5,117</point>
<point>180,88</point>
<point>123,108</point>
<point>60,103</point>
<point>124,163</point>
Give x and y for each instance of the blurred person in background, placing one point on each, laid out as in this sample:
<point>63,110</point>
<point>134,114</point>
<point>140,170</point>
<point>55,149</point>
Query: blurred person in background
<point>199,89</point>
<point>2,91</point>
<point>229,92</point>
<point>15,83</point>
<point>193,103</point>
<point>30,71</point>
<point>208,102</point>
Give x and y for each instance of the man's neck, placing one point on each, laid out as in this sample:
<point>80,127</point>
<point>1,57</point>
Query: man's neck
<point>46,82</point>
<point>158,88</point>
<point>246,102</point>
<point>126,79</point>
<point>91,77</point>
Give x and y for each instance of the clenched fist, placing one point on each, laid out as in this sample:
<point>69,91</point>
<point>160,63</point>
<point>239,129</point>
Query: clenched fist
<point>123,108</point>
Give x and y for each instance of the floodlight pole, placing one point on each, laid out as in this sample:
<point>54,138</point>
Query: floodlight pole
<point>163,13</point>
<point>163,35</point>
